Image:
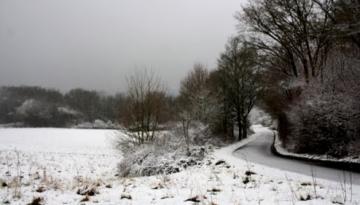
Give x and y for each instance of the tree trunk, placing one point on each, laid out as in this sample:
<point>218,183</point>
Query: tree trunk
<point>293,64</point>
<point>244,128</point>
<point>230,131</point>
<point>306,71</point>
<point>239,123</point>
<point>240,130</point>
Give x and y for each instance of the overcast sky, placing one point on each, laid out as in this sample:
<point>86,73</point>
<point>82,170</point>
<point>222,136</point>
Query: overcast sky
<point>94,44</point>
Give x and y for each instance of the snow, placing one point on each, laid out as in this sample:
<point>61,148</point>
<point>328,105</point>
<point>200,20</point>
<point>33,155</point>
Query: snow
<point>83,141</point>
<point>67,110</point>
<point>64,161</point>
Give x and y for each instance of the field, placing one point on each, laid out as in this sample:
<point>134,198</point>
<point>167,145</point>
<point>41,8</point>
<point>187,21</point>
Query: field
<point>71,166</point>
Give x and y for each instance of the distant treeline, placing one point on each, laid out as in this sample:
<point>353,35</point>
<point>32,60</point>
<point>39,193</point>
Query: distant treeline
<point>41,107</point>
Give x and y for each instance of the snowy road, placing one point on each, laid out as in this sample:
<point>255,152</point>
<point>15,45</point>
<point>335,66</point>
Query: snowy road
<point>259,152</point>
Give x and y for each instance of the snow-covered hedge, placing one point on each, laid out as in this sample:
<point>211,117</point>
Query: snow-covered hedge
<point>351,161</point>
<point>324,122</point>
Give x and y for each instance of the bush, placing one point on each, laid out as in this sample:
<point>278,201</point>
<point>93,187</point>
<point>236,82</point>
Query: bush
<point>167,154</point>
<point>323,122</point>
<point>354,148</point>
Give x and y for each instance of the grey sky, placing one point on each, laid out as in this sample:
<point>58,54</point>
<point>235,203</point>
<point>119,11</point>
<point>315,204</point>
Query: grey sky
<point>93,44</point>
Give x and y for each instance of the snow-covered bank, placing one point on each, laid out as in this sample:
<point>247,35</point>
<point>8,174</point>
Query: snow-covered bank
<point>82,167</point>
<point>278,146</point>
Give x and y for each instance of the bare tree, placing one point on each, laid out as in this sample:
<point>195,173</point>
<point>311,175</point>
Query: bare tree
<point>194,99</point>
<point>144,105</point>
<point>344,16</point>
<point>221,119</point>
<point>293,32</point>
<point>238,67</point>
<point>194,92</point>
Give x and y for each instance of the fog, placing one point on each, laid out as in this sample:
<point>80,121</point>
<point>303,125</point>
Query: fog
<point>94,44</point>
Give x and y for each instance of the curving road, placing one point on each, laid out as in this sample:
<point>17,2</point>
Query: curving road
<point>259,152</point>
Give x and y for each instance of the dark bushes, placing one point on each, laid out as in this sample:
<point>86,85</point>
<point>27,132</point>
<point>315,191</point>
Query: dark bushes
<point>325,119</point>
<point>323,124</point>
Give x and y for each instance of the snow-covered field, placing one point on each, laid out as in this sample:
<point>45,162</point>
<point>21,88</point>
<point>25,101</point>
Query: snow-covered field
<point>59,160</point>
<point>61,166</point>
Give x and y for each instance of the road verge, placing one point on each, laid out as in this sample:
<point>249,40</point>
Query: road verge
<point>346,165</point>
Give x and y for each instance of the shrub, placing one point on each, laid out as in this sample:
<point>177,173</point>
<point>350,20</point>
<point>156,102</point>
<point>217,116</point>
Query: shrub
<point>323,122</point>
<point>166,154</point>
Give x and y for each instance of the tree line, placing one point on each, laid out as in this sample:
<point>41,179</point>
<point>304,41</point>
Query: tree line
<point>41,107</point>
